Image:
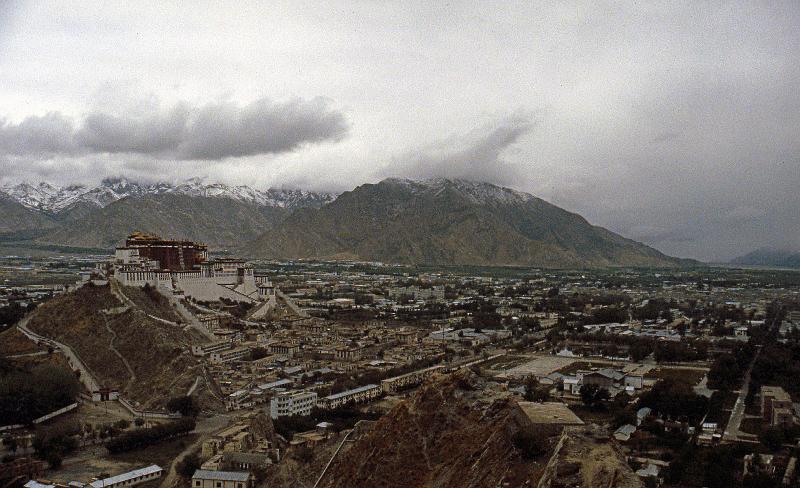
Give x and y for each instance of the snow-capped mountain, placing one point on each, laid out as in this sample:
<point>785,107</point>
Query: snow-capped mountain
<point>52,199</point>
<point>475,191</point>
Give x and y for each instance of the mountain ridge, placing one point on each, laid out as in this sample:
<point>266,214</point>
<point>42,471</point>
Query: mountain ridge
<point>99,217</point>
<point>15,217</point>
<point>53,199</point>
<point>768,256</point>
<point>218,222</point>
<point>436,221</point>
<point>443,221</point>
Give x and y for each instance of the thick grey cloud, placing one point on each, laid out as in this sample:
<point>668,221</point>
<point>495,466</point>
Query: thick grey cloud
<point>149,133</point>
<point>217,131</point>
<point>210,132</point>
<point>48,134</point>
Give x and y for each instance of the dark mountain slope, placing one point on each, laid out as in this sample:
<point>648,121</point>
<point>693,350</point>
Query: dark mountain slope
<point>450,222</point>
<point>15,218</point>
<point>219,222</point>
<point>76,211</point>
<point>778,258</point>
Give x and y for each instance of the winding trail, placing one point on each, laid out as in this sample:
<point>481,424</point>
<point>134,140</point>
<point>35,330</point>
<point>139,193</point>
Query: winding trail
<point>194,385</point>
<point>113,349</point>
<point>191,320</point>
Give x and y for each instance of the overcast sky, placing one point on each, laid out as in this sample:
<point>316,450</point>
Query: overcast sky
<point>677,124</point>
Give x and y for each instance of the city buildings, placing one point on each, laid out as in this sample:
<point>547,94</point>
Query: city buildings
<point>130,478</point>
<point>356,395</point>
<point>776,406</point>
<point>221,479</point>
<point>292,403</point>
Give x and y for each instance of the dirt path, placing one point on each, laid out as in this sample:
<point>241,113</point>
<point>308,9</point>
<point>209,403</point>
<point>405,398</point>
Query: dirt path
<point>192,321</point>
<point>194,385</point>
<point>119,354</point>
<point>27,355</point>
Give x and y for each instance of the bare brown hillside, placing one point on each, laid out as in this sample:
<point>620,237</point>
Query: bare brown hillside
<point>14,342</point>
<point>586,457</point>
<point>152,302</point>
<point>157,363</point>
<point>461,431</point>
<point>452,433</point>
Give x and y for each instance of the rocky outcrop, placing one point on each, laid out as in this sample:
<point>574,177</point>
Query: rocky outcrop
<point>461,431</point>
<point>586,457</point>
<point>455,432</point>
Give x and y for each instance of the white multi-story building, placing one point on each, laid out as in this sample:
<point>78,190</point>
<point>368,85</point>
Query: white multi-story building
<point>435,293</point>
<point>292,403</point>
<point>211,347</point>
<point>356,395</point>
<point>230,355</point>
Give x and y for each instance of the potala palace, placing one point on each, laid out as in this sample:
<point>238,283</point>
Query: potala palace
<point>184,268</point>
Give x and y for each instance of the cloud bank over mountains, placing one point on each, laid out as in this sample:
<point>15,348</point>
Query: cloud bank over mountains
<point>477,155</point>
<point>213,131</point>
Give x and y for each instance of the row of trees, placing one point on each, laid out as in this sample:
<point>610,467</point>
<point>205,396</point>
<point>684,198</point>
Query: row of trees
<point>13,313</point>
<point>28,394</point>
<point>637,348</point>
<point>676,400</point>
<point>53,445</point>
<point>727,370</point>
<point>141,438</point>
<point>670,351</point>
<point>184,405</point>
<point>341,418</point>
<point>778,364</point>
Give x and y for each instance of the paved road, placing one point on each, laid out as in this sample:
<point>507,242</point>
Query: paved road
<point>703,389</point>
<point>27,355</point>
<point>732,430</point>
<point>194,385</point>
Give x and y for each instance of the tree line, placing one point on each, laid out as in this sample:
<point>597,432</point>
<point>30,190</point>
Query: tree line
<point>141,438</point>
<point>27,394</point>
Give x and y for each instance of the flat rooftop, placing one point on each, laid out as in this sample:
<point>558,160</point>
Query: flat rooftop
<point>775,392</point>
<point>554,413</point>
